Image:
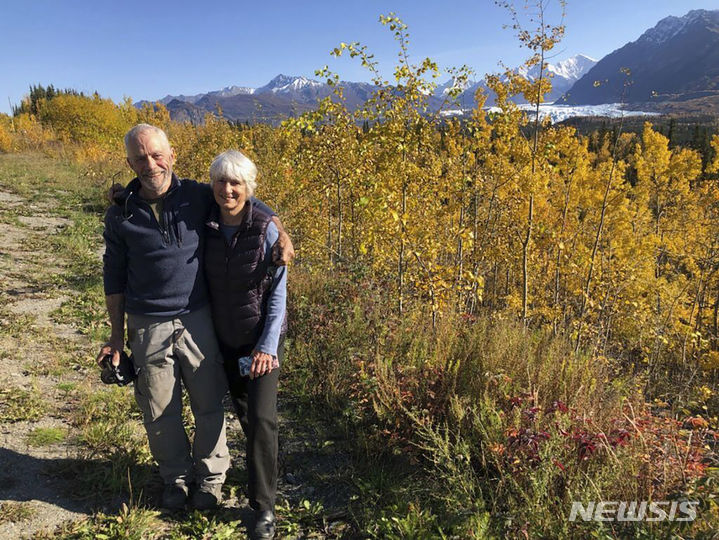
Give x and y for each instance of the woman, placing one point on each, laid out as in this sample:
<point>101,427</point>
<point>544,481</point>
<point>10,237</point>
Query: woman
<point>248,297</point>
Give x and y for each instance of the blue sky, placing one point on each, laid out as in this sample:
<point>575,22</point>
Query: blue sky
<point>146,50</point>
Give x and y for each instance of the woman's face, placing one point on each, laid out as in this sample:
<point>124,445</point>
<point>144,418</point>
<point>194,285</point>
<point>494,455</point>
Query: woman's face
<point>230,195</point>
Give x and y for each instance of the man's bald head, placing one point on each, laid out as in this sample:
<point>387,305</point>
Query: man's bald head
<point>139,129</point>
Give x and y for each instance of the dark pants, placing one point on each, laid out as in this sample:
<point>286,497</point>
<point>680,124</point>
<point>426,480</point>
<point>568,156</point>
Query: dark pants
<point>255,402</point>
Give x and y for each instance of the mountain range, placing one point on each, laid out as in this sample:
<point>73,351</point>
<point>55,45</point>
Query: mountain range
<point>676,60</point>
<point>283,96</point>
<point>288,95</point>
<point>674,64</point>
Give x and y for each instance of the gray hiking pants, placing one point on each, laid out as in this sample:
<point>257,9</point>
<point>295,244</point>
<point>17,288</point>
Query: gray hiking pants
<point>167,350</point>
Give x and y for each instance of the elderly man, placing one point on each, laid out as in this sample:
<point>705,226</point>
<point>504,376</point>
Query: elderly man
<point>153,272</point>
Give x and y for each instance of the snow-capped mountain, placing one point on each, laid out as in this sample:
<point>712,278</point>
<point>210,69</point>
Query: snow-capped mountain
<point>678,59</point>
<point>444,89</point>
<point>572,69</point>
<point>296,88</point>
<point>563,75</point>
<point>285,84</point>
<point>229,91</point>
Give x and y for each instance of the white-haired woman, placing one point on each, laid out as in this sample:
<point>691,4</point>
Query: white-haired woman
<point>248,297</point>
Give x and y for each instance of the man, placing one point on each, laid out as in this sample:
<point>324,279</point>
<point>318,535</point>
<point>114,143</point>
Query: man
<point>153,272</point>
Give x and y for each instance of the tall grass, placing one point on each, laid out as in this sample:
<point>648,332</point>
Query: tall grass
<point>507,425</point>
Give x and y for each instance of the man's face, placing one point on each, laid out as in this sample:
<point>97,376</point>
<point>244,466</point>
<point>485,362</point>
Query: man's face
<point>151,158</point>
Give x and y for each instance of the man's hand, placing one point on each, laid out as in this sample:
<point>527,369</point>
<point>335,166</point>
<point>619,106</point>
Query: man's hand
<point>111,348</point>
<point>114,191</point>
<point>283,251</point>
<point>262,363</point>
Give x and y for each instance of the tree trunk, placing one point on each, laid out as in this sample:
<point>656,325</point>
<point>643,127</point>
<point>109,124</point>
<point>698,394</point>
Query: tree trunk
<point>339,216</point>
<point>525,260</point>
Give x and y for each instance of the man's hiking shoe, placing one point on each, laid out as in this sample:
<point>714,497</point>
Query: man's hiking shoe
<point>264,525</point>
<point>174,496</point>
<point>207,496</point>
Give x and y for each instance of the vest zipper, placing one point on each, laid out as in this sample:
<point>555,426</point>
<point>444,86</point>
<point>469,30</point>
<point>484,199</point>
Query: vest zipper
<point>228,251</point>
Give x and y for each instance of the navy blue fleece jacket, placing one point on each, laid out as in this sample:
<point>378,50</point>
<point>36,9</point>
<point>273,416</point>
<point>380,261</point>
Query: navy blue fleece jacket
<point>158,266</point>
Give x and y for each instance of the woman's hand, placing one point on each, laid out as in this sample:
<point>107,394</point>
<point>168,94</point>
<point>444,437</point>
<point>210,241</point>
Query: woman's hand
<point>262,363</point>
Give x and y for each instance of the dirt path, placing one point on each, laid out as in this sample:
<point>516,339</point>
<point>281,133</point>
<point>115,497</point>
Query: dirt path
<point>43,360</point>
<point>31,345</point>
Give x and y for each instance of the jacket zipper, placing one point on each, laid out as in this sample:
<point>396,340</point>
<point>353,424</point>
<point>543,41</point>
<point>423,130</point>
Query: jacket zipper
<point>163,232</point>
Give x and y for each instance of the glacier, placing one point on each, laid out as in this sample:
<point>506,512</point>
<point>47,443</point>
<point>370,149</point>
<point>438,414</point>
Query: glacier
<point>559,113</point>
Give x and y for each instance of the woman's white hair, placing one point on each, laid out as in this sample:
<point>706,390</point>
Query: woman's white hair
<point>234,165</point>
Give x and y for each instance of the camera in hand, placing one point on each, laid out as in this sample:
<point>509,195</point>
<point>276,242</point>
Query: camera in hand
<point>122,374</point>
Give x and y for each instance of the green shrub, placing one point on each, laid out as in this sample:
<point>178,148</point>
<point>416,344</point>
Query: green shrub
<point>506,425</point>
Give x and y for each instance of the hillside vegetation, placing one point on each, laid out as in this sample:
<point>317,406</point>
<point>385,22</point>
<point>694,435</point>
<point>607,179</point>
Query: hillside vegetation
<point>502,316</point>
